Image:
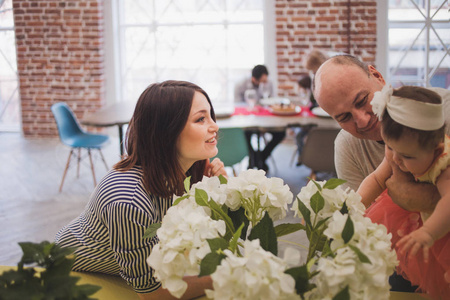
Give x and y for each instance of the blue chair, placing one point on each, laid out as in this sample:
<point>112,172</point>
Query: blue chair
<point>232,146</point>
<point>73,136</point>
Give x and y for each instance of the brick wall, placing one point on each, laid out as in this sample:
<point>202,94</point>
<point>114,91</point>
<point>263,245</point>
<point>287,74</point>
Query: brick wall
<point>59,58</point>
<point>60,49</point>
<point>303,25</point>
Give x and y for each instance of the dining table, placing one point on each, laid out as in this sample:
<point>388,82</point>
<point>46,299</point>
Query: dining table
<point>260,118</point>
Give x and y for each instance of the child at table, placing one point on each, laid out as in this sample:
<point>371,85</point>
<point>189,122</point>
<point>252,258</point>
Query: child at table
<point>412,126</point>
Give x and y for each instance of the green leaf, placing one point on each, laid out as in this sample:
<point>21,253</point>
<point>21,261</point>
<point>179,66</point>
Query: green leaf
<point>320,223</point>
<point>150,232</point>
<point>210,262</point>
<point>87,289</point>
<point>187,184</point>
<point>224,216</point>
<point>235,238</point>
<point>178,200</point>
<point>301,277</point>
<point>344,209</point>
<point>348,231</point>
<point>317,185</point>
<point>333,183</point>
<point>326,251</point>
<point>317,202</point>
<point>287,228</point>
<point>238,217</point>
<point>217,244</point>
<point>33,253</point>
<point>201,197</point>
<point>362,257</point>
<point>342,295</point>
<point>222,179</point>
<point>265,232</point>
<point>305,212</point>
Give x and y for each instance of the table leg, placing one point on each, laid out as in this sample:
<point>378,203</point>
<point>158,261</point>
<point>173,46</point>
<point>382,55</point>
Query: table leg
<point>122,146</point>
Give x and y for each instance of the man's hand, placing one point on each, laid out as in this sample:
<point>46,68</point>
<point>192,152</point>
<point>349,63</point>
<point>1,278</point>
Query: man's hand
<point>409,194</point>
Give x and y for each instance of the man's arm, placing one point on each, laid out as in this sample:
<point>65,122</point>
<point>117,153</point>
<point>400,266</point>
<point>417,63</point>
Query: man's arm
<point>409,194</point>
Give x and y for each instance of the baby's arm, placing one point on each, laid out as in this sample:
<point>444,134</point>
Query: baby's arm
<point>437,225</point>
<point>374,184</point>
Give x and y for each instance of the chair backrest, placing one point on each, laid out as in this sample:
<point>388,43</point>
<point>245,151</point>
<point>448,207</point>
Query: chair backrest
<point>318,151</point>
<point>232,146</point>
<point>66,121</point>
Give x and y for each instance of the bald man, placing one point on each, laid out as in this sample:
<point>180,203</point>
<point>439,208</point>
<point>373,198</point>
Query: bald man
<point>344,87</point>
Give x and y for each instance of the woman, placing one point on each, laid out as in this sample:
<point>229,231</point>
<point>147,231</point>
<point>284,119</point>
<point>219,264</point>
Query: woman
<point>171,135</point>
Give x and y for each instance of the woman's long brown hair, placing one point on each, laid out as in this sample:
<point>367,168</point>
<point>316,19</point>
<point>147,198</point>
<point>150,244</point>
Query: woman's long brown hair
<point>160,115</point>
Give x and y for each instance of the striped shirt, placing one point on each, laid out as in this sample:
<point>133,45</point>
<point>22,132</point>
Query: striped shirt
<point>108,233</point>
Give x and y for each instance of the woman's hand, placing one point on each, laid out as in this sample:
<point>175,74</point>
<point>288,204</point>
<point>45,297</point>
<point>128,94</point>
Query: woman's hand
<point>215,168</point>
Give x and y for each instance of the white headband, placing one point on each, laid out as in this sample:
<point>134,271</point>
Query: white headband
<point>407,112</point>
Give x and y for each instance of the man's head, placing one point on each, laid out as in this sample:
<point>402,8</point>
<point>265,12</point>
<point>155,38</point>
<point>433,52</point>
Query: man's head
<point>343,87</point>
<point>259,75</point>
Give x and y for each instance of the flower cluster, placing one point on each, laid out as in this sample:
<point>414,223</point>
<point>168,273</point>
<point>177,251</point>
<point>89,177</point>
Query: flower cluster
<point>257,275</point>
<point>356,258</point>
<point>225,229</point>
<point>183,244</point>
<point>256,193</point>
<point>334,199</point>
<point>362,265</point>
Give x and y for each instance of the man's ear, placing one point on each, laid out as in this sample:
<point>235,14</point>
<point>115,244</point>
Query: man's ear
<point>375,73</point>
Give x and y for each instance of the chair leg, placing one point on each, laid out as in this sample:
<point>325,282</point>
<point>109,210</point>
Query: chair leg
<point>65,170</point>
<point>78,162</point>
<point>313,175</point>
<point>103,158</point>
<point>92,167</point>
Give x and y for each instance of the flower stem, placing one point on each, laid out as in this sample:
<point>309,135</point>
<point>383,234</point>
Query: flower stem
<point>293,243</point>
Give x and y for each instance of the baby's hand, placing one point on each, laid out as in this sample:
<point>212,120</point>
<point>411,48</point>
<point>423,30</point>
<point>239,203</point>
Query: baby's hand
<point>415,241</point>
<point>215,168</point>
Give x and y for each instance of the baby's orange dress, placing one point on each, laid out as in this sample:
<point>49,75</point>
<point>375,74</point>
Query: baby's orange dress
<point>429,277</point>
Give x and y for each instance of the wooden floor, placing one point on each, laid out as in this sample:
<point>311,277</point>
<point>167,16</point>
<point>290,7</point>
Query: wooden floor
<point>32,209</point>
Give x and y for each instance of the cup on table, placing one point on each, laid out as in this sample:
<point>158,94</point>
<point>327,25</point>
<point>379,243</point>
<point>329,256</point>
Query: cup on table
<point>251,99</point>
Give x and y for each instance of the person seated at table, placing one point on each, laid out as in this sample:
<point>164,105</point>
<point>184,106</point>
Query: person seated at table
<point>260,83</point>
<point>171,135</point>
<point>313,61</point>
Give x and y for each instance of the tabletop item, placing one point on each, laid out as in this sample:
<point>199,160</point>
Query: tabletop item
<point>250,98</point>
<point>285,110</point>
<point>274,100</point>
<point>318,111</point>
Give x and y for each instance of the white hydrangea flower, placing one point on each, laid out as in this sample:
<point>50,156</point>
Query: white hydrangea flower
<point>212,186</point>
<point>334,200</point>
<point>182,244</point>
<point>257,275</point>
<point>257,193</point>
<point>365,280</point>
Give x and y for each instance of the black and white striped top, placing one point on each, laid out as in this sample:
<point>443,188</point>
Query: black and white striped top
<point>108,233</point>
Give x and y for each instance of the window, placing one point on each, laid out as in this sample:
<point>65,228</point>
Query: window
<point>9,96</point>
<point>419,41</point>
<point>211,43</point>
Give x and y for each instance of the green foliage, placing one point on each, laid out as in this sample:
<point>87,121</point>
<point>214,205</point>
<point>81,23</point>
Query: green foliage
<point>238,217</point>
<point>348,231</point>
<point>288,228</point>
<point>301,277</point>
<point>333,183</point>
<point>342,295</point>
<point>150,232</point>
<point>265,232</point>
<point>54,282</point>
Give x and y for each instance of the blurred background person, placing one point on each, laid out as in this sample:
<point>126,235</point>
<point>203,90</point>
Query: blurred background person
<point>251,90</point>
